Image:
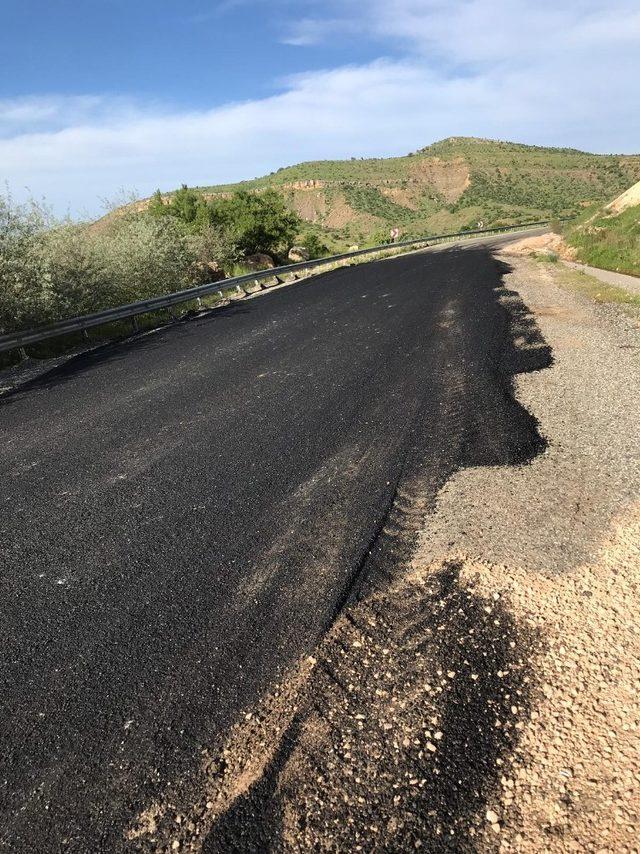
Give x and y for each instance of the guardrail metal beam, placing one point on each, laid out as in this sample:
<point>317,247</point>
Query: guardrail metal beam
<point>21,339</point>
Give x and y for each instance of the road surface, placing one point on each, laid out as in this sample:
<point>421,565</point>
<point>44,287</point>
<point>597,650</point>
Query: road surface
<point>184,513</point>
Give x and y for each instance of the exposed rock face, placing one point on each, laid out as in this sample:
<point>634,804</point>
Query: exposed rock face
<point>449,178</point>
<point>259,261</point>
<point>298,253</point>
<point>628,199</point>
<point>310,184</point>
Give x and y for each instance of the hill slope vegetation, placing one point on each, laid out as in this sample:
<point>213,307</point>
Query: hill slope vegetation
<point>609,237</point>
<point>448,186</point>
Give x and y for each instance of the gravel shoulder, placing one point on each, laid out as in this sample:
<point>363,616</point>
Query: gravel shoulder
<point>558,543</point>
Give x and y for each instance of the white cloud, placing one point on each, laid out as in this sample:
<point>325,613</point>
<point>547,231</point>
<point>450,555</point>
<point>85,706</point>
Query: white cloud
<point>563,73</point>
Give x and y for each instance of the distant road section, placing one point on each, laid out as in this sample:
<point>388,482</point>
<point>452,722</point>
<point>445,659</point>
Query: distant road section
<point>183,514</point>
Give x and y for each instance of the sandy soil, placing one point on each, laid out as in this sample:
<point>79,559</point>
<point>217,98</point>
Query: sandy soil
<point>542,244</point>
<point>626,200</point>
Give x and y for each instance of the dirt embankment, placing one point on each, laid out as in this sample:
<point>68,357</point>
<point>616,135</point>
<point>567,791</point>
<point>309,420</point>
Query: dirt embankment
<point>543,244</point>
<point>449,178</point>
<point>628,199</point>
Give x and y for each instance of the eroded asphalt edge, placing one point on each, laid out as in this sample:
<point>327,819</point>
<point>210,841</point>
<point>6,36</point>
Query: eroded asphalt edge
<point>515,725</point>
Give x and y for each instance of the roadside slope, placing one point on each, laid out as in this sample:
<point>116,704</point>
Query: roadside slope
<point>609,238</point>
<point>447,186</point>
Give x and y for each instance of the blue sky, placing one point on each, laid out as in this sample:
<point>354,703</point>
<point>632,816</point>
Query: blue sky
<point>105,94</point>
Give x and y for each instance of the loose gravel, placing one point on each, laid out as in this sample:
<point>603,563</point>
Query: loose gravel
<point>559,541</point>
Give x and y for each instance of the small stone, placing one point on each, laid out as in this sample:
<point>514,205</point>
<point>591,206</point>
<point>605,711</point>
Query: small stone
<point>492,817</point>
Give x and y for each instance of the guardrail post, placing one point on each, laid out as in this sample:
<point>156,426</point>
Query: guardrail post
<point>241,290</point>
<point>134,324</point>
<point>22,353</point>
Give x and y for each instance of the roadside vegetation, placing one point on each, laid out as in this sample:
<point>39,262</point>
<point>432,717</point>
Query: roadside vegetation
<point>611,242</point>
<point>52,269</point>
<point>600,292</point>
<point>249,222</point>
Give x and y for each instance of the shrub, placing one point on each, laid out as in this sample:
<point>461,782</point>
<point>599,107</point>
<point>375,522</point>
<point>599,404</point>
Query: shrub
<point>24,296</point>
<point>51,270</point>
<point>254,222</point>
<point>314,246</point>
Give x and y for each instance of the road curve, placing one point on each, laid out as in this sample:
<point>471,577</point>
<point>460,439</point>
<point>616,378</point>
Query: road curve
<point>184,513</point>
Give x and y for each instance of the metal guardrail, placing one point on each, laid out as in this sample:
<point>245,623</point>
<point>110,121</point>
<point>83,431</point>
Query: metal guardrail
<point>19,340</point>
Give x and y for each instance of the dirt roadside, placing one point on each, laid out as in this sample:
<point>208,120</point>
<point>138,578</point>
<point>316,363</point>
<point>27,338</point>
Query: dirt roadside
<point>485,697</point>
<point>558,542</point>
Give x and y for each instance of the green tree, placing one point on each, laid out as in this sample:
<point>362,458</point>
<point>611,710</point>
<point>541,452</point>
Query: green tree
<point>259,222</point>
<point>186,204</point>
<point>314,246</point>
<point>157,206</point>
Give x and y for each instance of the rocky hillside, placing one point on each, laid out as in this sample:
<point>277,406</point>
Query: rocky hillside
<point>447,186</point>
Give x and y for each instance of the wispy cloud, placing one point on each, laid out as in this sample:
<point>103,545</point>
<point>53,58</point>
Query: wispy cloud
<point>563,73</point>
<point>312,31</point>
<point>464,31</point>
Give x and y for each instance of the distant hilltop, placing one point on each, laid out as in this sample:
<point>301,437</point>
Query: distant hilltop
<point>453,184</point>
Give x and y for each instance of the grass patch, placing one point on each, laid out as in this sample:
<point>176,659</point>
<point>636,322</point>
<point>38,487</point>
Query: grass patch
<point>599,292</point>
<point>545,257</point>
<point>609,242</point>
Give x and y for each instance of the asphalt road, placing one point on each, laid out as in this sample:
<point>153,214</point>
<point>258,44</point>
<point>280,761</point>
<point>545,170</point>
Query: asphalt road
<point>184,513</point>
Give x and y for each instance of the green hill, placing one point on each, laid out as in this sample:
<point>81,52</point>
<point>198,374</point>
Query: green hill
<point>609,237</point>
<point>448,186</point>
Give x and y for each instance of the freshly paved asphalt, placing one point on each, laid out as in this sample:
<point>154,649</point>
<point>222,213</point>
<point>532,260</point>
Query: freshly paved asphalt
<point>183,513</point>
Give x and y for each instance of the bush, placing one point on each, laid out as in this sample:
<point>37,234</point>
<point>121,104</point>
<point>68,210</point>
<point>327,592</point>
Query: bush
<point>25,298</point>
<point>254,222</point>
<point>314,246</point>
<point>51,270</point>
<point>259,222</point>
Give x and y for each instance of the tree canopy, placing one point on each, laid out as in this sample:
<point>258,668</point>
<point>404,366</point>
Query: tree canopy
<point>255,222</point>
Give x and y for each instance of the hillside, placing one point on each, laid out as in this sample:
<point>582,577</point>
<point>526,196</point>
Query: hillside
<point>609,237</point>
<point>448,186</point>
